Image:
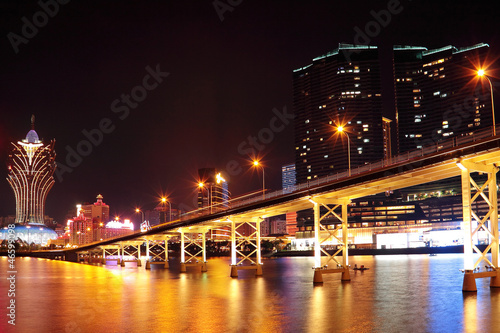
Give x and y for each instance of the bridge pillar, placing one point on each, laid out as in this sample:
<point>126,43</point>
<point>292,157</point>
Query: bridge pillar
<point>343,267</point>
<point>122,262</point>
<point>234,269</point>
<point>148,265</point>
<point>156,250</point>
<point>252,241</point>
<point>488,222</point>
<point>193,245</point>
<point>183,256</point>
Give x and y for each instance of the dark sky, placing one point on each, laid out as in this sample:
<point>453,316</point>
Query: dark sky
<point>225,78</point>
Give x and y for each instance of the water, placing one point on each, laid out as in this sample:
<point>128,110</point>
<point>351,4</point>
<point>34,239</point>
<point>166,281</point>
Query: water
<point>414,293</point>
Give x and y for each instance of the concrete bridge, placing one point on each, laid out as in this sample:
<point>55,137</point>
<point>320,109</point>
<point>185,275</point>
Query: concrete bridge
<point>329,196</point>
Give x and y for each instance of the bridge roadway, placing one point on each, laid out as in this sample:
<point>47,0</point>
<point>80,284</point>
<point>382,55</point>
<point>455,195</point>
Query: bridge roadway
<point>479,153</point>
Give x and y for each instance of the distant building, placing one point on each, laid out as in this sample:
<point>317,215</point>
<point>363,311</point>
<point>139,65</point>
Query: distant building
<point>288,178</point>
<point>81,229</point>
<point>437,96</point>
<point>213,190</point>
<point>98,211</point>
<point>31,166</point>
<point>116,228</point>
<point>340,88</point>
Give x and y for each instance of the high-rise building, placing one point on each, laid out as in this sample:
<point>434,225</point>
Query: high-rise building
<point>288,181</point>
<point>31,166</point>
<point>436,94</point>
<point>341,88</point>
<point>288,176</point>
<point>81,229</point>
<point>98,211</point>
<point>213,190</point>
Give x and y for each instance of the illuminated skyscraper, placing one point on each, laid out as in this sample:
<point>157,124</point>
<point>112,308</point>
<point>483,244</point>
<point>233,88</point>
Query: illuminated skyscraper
<point>341,88</point>
<point>437,96</point>
<point>31,166</point>
<point>213,190</point>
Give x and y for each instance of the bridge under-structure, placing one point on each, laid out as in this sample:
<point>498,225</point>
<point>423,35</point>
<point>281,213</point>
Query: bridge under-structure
<point>466,157</point>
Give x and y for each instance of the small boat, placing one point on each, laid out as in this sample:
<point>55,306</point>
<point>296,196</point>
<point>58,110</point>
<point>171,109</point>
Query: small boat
<point>362,268</point>
<point>432,255</point>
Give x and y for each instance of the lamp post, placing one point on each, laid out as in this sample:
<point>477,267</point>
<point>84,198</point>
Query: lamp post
<point>257,164</point>
<point>201,185</point>
<point>481,73</point>
<point>341,129</point>
<point>164,200</point>
<point>137,210</point>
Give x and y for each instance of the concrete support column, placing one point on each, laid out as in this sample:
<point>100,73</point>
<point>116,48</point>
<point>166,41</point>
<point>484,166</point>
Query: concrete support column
<point>122,263</point>
<point>345,259</point>
<point>183,255</point>
<point>258,272</point>
<point>148,265</point>
<point>204,251</point>
<point>467,209</point>
<point>318,276</point>
<point>492,193</point>
<point>234,269</point>
<point>166,265</point>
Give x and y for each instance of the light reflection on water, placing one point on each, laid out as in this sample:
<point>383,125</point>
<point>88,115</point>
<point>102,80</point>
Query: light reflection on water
<point>414,293</point>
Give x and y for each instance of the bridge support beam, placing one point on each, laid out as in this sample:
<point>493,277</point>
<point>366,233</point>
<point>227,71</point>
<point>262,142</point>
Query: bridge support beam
<point>331,234</point>
<point>156,250</point>
<point>110,253</point>
<point>473,223</point>
<point>193,246</point>
<point>241,241</point>
<point>130,252</point>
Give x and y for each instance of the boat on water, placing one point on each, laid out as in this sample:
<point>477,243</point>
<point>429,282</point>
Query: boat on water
<point>362,268</point>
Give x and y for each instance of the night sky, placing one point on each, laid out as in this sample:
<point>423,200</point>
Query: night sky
<point>217,76</point>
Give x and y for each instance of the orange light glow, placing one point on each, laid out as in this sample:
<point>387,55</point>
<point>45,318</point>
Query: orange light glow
<point>480,72</point>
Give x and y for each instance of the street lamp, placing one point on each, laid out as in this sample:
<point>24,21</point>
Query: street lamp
<point>257,164</point>
<point>481,73</point>
<point>341,129</point>
<point>164,200</point>
<point>137,210</point>
<point>201,186</point>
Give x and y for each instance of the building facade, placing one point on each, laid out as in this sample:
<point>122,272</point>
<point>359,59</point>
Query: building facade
<point>288,178</point>
<point>438,95</point>
<point>339,89</point>
<point>31,166</point>
<point>213,190</point>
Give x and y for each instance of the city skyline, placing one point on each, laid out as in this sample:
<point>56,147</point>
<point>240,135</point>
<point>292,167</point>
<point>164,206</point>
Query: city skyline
<point>200,88</point>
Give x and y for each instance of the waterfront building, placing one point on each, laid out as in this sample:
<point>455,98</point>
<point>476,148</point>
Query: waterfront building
<point>288,178</point>
<point>31,166</point>
<point>80,228</point>
<point>98,211</point>
<point>427,220</point>
<point>340,88</point>
<point>437,94</point>
<point>115,228</point>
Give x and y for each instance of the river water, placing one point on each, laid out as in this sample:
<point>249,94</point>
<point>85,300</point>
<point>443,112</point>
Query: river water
<point>400,293</point>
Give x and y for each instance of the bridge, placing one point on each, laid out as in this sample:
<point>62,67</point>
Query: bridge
<point>467,157</point>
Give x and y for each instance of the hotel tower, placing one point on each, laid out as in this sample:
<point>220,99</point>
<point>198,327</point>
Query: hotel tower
<point>31,166</point>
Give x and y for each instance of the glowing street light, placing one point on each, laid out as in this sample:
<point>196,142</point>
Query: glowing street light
<point>201,186</point>
<point>137,210</point>
<point>165,200</point>
<point>258,164</point>
<point>481,73</point>
<point>341,129</point>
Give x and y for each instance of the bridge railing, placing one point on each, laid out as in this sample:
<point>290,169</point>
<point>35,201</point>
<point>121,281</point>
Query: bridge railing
<point>407,156</point>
